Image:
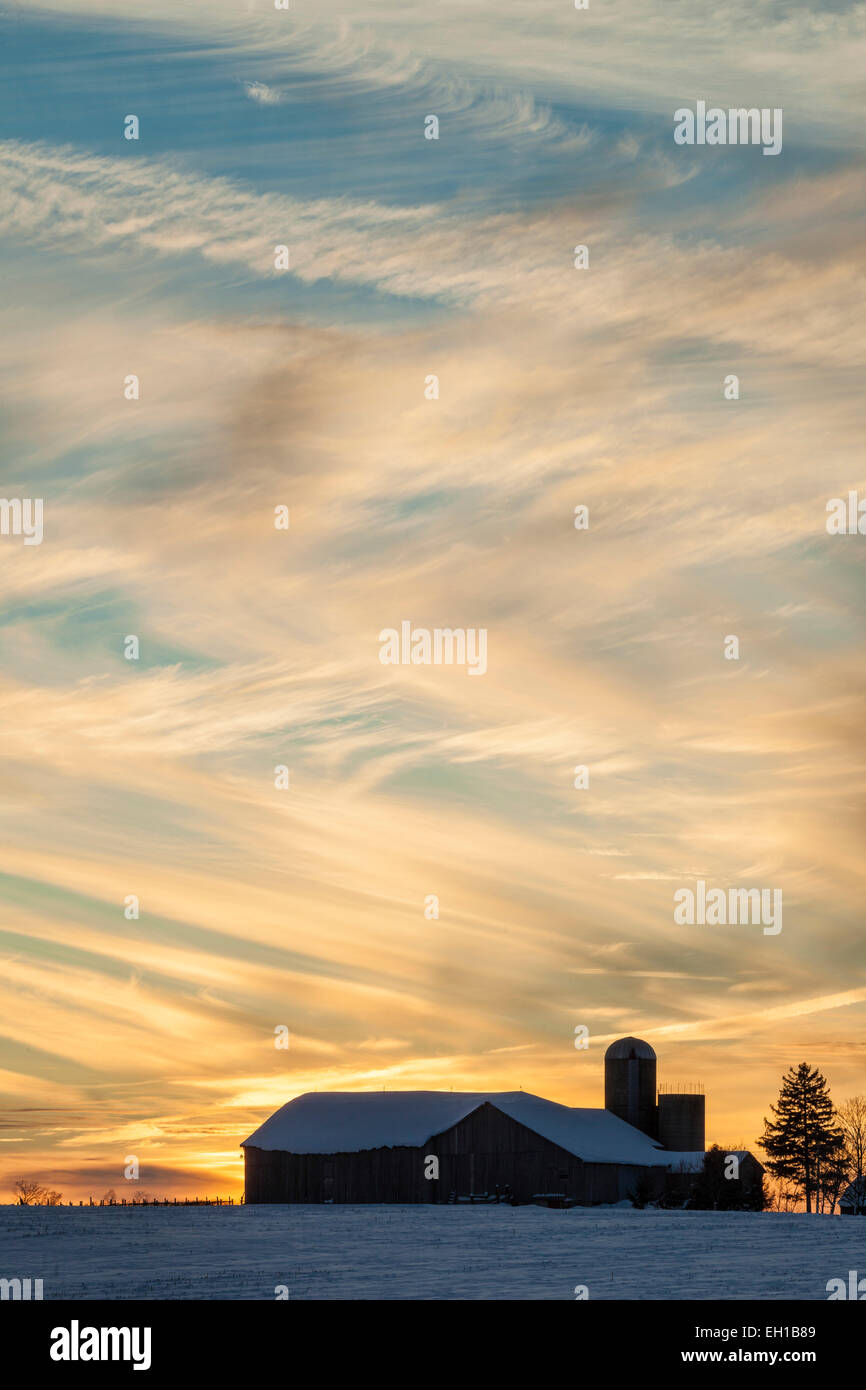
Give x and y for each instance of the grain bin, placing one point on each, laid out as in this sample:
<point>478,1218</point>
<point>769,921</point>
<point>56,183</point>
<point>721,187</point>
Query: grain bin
<point>682,1120</point>
<point>630,1083</point>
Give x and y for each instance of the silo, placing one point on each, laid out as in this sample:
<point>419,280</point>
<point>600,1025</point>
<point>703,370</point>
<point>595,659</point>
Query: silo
<point>630,1083</point>
<point>682,1121</point>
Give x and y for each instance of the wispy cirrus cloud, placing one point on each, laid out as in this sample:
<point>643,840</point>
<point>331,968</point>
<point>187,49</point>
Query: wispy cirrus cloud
<point>557,387</point>
<point>658,284</point>
<point>621,57</point>
<point>262,93</point>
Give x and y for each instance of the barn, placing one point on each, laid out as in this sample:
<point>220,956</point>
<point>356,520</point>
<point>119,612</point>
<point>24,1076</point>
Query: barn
<point>375,1146</point>
<point>441,1146</point>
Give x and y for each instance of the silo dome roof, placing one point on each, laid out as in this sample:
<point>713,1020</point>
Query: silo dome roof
<point>624,1048</point>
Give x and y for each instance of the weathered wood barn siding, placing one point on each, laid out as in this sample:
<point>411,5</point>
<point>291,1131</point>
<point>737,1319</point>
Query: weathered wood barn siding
<point>483,1150</point>
<point>489,1147</point>
<point>374,1175</point>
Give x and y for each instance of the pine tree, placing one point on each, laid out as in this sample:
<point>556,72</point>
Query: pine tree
<point>805,1134</point>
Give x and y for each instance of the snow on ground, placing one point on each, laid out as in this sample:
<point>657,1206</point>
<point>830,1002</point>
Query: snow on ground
<point>416,1252</point>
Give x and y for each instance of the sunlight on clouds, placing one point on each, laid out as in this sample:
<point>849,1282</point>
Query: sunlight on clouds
<point>305,908</point>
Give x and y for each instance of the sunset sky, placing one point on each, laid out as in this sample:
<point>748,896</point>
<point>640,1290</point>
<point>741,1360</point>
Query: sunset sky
<point>559,386</point>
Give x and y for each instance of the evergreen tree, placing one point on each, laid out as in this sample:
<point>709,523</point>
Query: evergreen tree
<point>805,1135</point>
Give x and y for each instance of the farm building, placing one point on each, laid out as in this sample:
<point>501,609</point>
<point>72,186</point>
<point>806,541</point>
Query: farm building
<point>682,1183</point>
<point>437,1146</point>
<point>374,1146</point>
<point>853,1199</point>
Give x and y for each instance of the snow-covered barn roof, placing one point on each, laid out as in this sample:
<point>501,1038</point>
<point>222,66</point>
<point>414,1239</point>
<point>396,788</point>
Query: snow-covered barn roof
<point>326,1122</point>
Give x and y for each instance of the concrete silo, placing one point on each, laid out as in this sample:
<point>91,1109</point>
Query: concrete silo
<point>682,1119</point>
<point>630,1083</point>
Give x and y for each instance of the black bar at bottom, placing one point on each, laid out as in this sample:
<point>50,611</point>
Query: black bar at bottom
<point>268,1340</point>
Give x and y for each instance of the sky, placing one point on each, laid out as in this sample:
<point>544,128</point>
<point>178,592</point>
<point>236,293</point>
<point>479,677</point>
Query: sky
<point>308,907</point>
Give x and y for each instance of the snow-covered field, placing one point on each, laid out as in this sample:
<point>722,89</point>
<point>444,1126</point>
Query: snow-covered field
<point>445,1252</point>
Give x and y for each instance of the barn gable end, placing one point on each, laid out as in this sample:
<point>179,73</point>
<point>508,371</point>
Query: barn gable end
<point>490,1149</point>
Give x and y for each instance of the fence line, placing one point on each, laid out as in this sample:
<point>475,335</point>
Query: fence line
<point>162,1202</point>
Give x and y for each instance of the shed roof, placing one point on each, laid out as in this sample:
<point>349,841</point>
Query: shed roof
<point>325,1122</point>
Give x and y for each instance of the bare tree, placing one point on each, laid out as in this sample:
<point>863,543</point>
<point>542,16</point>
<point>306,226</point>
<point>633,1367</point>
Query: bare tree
<point>781,1196</point>
<point>852,1115</point>
<point>832,1177</point>
<point>29,1194</point>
